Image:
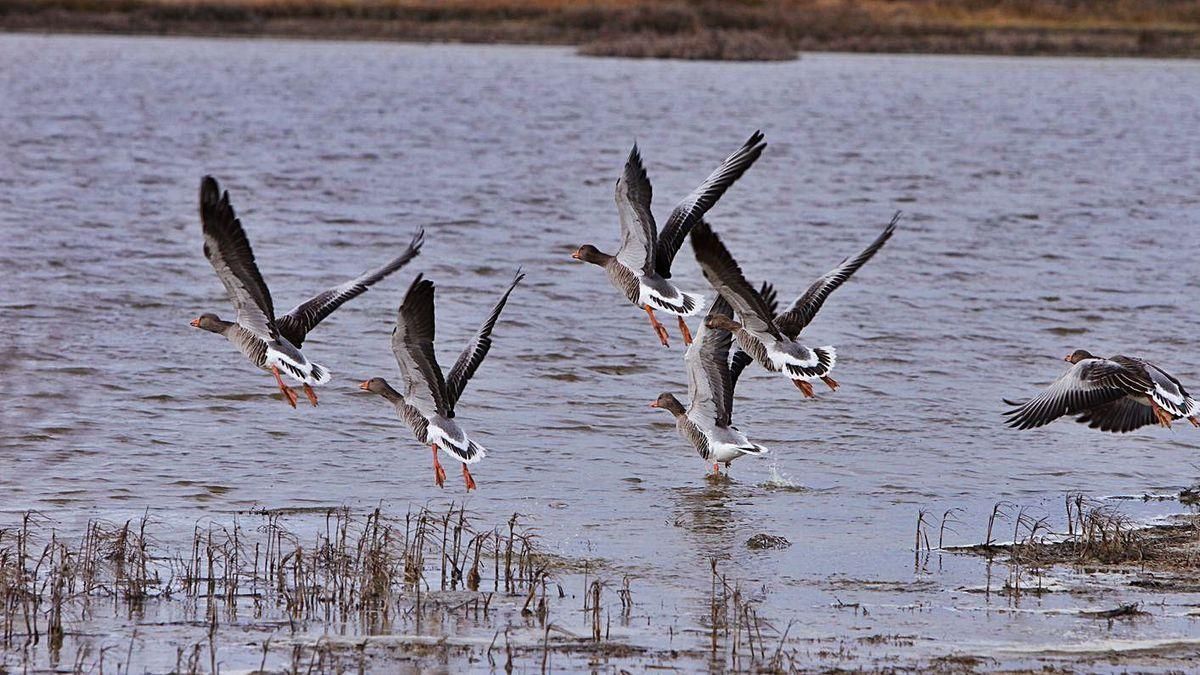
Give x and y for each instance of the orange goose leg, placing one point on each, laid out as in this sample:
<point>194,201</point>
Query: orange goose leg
<point>468,479</point>
<point>1195,422</point>
<point>687,334</point>
<point>1164,418</point>
<point>804,387</point>
<point>830,382</point>
<point>658,327</point>
<point>439,474</point>
<point>312,395</point>
<point>287,392</point>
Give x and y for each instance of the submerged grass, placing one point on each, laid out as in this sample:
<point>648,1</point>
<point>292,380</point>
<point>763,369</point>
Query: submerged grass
<point>710,29</point>
<point>335,590</point>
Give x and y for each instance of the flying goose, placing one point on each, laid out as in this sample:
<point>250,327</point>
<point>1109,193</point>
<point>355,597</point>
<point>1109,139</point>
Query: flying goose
<point>641,267</point>
<point>1119,394</point>
<point>427,403</point>
<point>270,342</point>
<point>763,335</point>
<point>706,422</point>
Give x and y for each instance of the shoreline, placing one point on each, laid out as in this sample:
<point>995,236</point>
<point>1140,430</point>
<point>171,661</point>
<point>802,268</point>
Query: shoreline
<point>605,31</point>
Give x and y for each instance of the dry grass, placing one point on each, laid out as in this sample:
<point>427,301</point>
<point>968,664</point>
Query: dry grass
<point>739,29</point>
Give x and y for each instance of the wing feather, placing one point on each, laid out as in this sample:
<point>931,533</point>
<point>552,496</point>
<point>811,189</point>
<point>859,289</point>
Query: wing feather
<point>801,313</point>
<point>475,351</point>
<point>229,252</point>
<point>723,272</point>
<point>1089,383</point>
<point>639,234</point>
<point>692,207</point>
<point>707,360</point>
<point>412,343</point>
<point>296,324</point>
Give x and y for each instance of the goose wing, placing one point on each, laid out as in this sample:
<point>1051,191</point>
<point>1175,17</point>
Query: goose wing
<point>723,272</point>
<point>412,343</point>
<point>229,252</point>
<point>692,207</point>
<point>1119,416</point>
<point>801,313</point>
<point>296,324</point>
<point>473,354</point>
<point>639,234</point>
<point>710,387</point>
<point>740,358</point>
<point>1089,383</point>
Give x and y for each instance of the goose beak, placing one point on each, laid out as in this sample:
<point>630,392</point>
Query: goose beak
<point>575,255</point>
<point>195,323</point>
<point>654,404</point>
<point>1067,358</point>
<point>365,385</point>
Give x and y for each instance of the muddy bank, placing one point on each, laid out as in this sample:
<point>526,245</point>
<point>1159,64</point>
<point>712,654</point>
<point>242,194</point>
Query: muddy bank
<point>772,30</point>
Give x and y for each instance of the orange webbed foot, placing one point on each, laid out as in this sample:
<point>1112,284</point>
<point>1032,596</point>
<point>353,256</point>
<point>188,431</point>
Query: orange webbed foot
<point>467,479</point>
<point>311,394</point>
<point>805,388</point>
<point>830,382</point>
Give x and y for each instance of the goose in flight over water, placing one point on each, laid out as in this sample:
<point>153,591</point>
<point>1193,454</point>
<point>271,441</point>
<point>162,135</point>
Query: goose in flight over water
<point>641,267</point>
<point>428,400</point>
<point>1118,394</point>
<point>270,342</point>
<point>768,338</point>
<point>707,421</point>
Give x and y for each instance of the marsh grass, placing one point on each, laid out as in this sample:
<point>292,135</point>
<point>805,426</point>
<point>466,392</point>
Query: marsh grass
<point>401,578</point>
<point>726,29</point>
<point>1097,536</point>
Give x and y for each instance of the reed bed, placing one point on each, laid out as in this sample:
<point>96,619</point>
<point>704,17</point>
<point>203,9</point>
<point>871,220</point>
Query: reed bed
<point>1097,536</point>
<point>335,591</point>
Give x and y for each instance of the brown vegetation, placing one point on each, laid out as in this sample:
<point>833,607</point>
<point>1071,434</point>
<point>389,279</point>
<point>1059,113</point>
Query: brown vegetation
<point>738,29</point>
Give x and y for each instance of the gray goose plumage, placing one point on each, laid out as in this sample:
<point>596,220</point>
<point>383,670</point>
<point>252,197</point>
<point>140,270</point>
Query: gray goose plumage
<point>1118,395</point>
<point>270,342</point>
<point>641,267</point>
<point>428,401</point>
<point>707,421</point>
<point>801,313</point>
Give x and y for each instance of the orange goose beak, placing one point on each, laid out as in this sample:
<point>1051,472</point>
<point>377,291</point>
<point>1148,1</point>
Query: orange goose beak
<point>654,404</point>
<point>575,255</point>
<point>1067,358</point>
<point>365,385</point>
<point>195,323</point>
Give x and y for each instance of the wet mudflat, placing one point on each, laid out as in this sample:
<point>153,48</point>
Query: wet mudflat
<point>1049,206</point>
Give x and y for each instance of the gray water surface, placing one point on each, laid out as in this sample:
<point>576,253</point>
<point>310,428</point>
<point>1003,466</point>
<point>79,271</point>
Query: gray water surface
<point>1049,205</point>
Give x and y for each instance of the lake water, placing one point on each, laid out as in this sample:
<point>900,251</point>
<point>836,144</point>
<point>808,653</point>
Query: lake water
<point>1050,204</point>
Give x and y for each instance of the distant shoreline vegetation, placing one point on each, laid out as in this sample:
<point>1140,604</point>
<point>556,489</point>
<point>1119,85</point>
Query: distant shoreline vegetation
<point>747,30</point>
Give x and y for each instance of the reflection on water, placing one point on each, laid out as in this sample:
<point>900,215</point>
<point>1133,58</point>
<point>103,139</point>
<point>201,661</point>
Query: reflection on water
<point>1045,211</point>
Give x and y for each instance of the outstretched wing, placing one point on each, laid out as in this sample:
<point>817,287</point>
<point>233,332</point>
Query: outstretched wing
<point>707,359</point>
<point>740,358</point>
<point>412,343</point>
<point>296,324</point>
<point>1119,416</point>
<point>1089,383</point>
<point>723,272</point>
<point>229,252</point>
<point>639,235</point>
<point>801,313</point>
<point>693,207</point>
<point>468,362</point>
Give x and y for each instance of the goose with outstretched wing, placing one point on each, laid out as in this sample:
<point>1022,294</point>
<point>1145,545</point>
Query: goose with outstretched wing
<point>428,401</point>
<point>805,308</point>
<point>270,342</point>
<point>641,267</point>
<point>707,422</point>
<point>1118,395</point>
